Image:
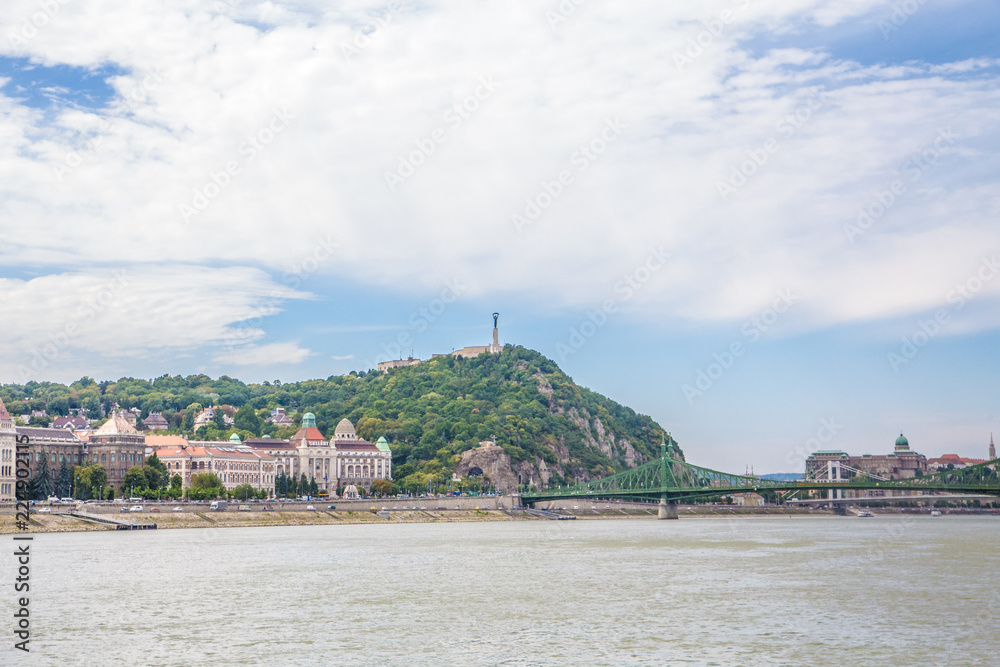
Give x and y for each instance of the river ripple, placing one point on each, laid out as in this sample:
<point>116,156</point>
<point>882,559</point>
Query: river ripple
<point>891,590</point>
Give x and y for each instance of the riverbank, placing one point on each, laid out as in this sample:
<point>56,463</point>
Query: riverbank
<point>58,522</point>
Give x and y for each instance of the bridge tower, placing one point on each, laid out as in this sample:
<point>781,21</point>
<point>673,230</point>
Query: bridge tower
<point>667,508</point>
<point>833,474</point>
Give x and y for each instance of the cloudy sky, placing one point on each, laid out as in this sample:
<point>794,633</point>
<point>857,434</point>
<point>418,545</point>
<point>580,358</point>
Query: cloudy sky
<point>770,224</point>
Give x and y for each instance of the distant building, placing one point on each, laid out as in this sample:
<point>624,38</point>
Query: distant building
<point>279,418</point>
<point>234,463</point>
<point>117,446</point>
<point>901,463</point>
<point>344,459</point>
<point>72,423</point>
<point>955,462</point>
<point>155,422</point>
<point>55,445</point>
<point>8,433</point>
<point>208,414</point>
<point>466,352</point>
<point>384,366</point>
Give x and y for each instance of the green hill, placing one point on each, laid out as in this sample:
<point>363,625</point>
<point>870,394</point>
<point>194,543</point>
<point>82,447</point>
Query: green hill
<point>435,415</point>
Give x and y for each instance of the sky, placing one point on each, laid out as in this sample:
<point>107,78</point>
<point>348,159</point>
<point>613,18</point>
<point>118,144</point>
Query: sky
<point>769,224</point>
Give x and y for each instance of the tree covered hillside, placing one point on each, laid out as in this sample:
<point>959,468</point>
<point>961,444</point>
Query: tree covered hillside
<point>550,429</point>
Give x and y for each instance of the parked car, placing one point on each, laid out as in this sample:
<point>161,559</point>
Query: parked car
<point>45,510</point>
<point>333,507</point>
<point>154,509</point>
<point>178,509</point>
<point>311,508</point>
<point>244,508</point>
<point>124,510</point>
<point>135,508</point>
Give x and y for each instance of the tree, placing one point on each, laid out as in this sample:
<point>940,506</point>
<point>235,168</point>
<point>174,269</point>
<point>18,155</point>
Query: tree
<point>293,487</point>
<point>175,484</point>
<point>154,477</point>
<point>313,487</point>
<point>206,485</point>
<point>246,418</point>
<point>98,479</point>
<point>219,418</point>
<point>244,491</point>
<point>41,485</point>
<point>134,480</point>
<point>188,419</point>
<point>303,485</point>
<point>65,479</point>
<point>381,487</point>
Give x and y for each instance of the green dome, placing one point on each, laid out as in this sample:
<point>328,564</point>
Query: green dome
<point>382,444</point>
<point>901,441</point>
<point>234,438</point>
<point>265,436</point>
<point>308,420</point>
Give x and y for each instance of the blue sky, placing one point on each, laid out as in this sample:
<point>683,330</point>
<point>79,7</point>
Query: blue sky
<point>286,190</point>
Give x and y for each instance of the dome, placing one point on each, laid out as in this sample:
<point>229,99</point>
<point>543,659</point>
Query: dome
<point>234,438</point>
<point>265,437</point>
<point>344,429</point>
<point>308,420</point>
<point>902,442</point>
<point>382,444</point>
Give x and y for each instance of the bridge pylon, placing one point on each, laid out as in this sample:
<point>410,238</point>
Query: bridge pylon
<point>667,509</point>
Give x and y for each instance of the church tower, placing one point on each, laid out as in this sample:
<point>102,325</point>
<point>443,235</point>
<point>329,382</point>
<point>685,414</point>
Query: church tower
<point>993,448</point>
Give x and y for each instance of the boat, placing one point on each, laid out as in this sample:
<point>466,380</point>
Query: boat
<point>864,513</point>
<point>935,512</point>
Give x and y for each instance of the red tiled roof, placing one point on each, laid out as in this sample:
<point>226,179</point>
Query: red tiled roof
<point>155,441</point>
<point>311,433</point>
<point>354,446</point>
<point>3,411</point>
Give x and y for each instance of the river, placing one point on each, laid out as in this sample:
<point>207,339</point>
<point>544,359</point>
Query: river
<point>888,590</point>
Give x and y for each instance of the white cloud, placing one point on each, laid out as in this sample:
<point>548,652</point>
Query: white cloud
<point>63,325</point>
<point>204,84</point>
<point>265,355</point>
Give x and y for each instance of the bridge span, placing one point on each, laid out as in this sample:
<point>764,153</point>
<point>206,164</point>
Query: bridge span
<point>669,480</point>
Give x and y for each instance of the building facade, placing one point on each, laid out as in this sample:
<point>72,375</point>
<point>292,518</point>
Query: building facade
<point>901,463</point>
<point>342,460</point>
<point>8,449</point>
<point>234,463</point>
<point>116,446</point>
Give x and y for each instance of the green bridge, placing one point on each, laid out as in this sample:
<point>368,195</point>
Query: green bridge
<point>670,480</point>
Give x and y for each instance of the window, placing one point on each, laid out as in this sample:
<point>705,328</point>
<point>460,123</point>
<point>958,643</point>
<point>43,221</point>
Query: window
<point>104,457</point>
<point>53,458</point>
<point>112,457</point>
